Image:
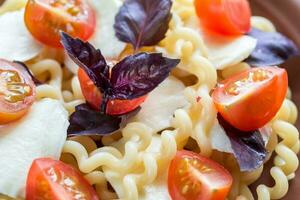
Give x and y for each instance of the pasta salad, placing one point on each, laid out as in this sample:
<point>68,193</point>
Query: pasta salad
<point>143,100</point>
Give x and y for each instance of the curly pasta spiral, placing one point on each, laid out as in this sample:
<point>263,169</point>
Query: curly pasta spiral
<point>140,153</point>
<point>12,5</point>
<point>285,161</point>
<point>136,156</point>
<point>53,88</point>
<point>136,150</point>
<point>185,43</point>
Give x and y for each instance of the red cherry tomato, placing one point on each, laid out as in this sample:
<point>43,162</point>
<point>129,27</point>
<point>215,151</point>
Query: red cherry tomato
<point>46,18</point>
<point>252,98</point>
<point>194,177</point>
<point>50,179</point>
<point>228,17</point>
<point>94,97</point>
<point>17,91</point>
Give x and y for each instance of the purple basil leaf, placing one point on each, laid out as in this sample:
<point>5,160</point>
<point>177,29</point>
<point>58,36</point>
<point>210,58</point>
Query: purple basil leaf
<point>139,74</point>
<point>248,147</point>
<point>87,121</point>
<point>35,80</point>
<point>89,59</point>
<point>271,49</point>
<point>143,22</point>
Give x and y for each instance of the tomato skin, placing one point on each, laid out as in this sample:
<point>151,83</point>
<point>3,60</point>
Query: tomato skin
<point>206,179</point>
<point>45,22</point>
<point>94,97</point>
<point>50,179</point>
<point>257,103</point>
<point>228,17</point>
<point>12,111</point>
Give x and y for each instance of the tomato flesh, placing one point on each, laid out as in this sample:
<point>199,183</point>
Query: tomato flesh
<point>94,97</point>
<point>17,91</point>
<point>50,179</point>
<point>252,98</point>
<point>228,17</point>
<point>46,18</point>
<point>194,177</point>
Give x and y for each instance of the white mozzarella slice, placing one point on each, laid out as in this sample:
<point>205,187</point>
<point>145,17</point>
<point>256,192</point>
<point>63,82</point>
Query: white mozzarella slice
<point>262,24</point>
<point>41,133</point>
<point>104,37</point>
<point>70,64</point>
<point>224,51</point>
<point>159,107</point>
<point>221,142</point>
<point>219,139</point>
<point>16,43</point>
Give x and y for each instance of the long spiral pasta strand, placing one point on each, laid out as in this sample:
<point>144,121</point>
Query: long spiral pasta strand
<point>285,161</point>
<point>137,139</point>
<point>53,87</point>
<point>190,48</point>
<point>131,162</point>
<point>186,44</point>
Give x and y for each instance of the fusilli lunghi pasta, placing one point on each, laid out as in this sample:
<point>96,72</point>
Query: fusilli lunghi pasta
<point>137,156</point>
<point>120,158</point>
<point>137,150</point>
<point>285,161</point>
<point>50,70</point>
<point>120,166</point>
<point>11,5</point>
<point>130,152</point>
<point>187,44</point>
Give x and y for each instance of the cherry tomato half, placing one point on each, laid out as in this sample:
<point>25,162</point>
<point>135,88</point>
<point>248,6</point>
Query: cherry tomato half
<point>94,97</point>
<point>17,91</point>
<point>252,98</point>
<point>46,18</point>
<point>194,177</point>
<point>50,179</point>
<point>228,17</point>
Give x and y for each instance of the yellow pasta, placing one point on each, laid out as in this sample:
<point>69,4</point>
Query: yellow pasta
<point>53,88</point>
<point>137,156</point>
<point>12,5</point>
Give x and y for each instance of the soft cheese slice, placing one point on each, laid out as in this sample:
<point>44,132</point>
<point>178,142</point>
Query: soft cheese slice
<point>16,43</point>
<point>221,142</point>
<point>41,133</point>
<point>70,64</point>
<point>161,103</point>
<point>219,139</point>
<point>104,37</point>
<point>224,51</point>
